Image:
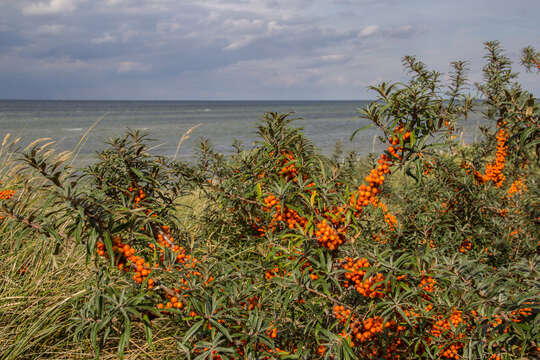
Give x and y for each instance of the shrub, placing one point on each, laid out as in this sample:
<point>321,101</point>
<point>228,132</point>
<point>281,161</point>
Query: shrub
<point>429,253</point>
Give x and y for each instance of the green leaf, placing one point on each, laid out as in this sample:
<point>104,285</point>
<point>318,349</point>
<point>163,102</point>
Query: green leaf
<point>525,135</point>
<point>259,191</point>
<point>369,126</point>
<point>192,330</point>
<point>108,245</point>
<point>148,331</point>
<point>413,139</point>
<point>222,329</point>
<point>124,338</point>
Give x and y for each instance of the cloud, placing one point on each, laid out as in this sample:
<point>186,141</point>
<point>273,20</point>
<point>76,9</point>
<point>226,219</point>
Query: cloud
<point>10,39</point>
<point>243,48</point>
<point>333,58</point>
<point>66,65</point>
<point>50,29</point>
<point>368,31</point>
<point>104,39</point>
<point>114,2</point>
<point>402,32</point>
<point>49,7</point>
<point>240,43</point>
<point>131,67</point>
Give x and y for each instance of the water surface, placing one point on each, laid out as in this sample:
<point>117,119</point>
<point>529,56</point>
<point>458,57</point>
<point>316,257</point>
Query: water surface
<point>324,122</point>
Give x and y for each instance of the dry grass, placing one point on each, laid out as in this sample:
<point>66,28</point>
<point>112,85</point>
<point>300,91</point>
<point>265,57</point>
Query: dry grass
<point>40,291</point>
<point>42,282</point>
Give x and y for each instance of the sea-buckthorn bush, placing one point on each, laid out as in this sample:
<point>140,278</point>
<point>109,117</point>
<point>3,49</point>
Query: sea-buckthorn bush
<point>428,250</point>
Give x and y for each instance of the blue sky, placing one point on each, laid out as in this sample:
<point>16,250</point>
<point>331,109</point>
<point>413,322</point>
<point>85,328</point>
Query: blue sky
<point>245,49</point>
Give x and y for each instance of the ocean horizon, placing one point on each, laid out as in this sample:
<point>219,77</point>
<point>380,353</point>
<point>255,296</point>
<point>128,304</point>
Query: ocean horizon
<point>325,122</point>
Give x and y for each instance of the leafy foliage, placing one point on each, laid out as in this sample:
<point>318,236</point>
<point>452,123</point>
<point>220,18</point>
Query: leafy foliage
<point>433,254</point>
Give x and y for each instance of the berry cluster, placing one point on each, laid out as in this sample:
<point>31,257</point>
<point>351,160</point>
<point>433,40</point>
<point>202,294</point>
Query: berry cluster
<point>494,170</point>
<point>466,245</point>
<point>519,314</point>
<point>394,149</point>
<point>327,236</point>
<point>270,274</point>
<point>275,271</point>
<point>252,303</point>
<point>140,194</point>
<point>125,259</point>
<point>172,303</point>
<point>389,219</point>
<point>6,194</point>
<point>363,197</point>
<point>336,215</point>
<point>332,235</point>
<point>272,332</point>
<point>285,165</point>
<point>355,275</point>
<point>447,328</point>
<point>368,193</point>
<point>428,284</point>
<point>281,214</point>
<point>288,170</point>
<point>360,330</point>
<point>516,188</point>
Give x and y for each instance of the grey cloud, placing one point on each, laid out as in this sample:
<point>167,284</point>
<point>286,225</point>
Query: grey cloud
<point>48,7</point>
<point>50,29</point>
<point>175,46</point>
<point>10,39</point>
<point>403,32</point>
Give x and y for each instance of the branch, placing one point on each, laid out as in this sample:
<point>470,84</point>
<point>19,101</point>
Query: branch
<point>6,213</point>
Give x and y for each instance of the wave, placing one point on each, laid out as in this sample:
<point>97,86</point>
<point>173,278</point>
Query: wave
<point>72,129</point>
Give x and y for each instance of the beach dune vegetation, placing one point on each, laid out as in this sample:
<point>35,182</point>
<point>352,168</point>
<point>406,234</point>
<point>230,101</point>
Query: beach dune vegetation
<point>428,250</point>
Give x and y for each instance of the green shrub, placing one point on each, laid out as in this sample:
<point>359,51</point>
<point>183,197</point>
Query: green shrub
<point>427,251</point>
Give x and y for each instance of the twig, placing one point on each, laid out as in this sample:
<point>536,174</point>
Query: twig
<point>4,212</point>
<point>335,301</point>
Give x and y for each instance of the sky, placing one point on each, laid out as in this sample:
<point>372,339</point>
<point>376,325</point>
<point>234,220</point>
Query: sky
<point>246,49</point>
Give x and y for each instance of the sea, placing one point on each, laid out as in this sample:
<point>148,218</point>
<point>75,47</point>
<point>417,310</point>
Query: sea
<point>326,123</point>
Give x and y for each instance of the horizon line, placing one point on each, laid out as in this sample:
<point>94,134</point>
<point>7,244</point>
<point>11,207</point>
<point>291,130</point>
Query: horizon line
<point>186,100</point>
<point>206,100</point>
